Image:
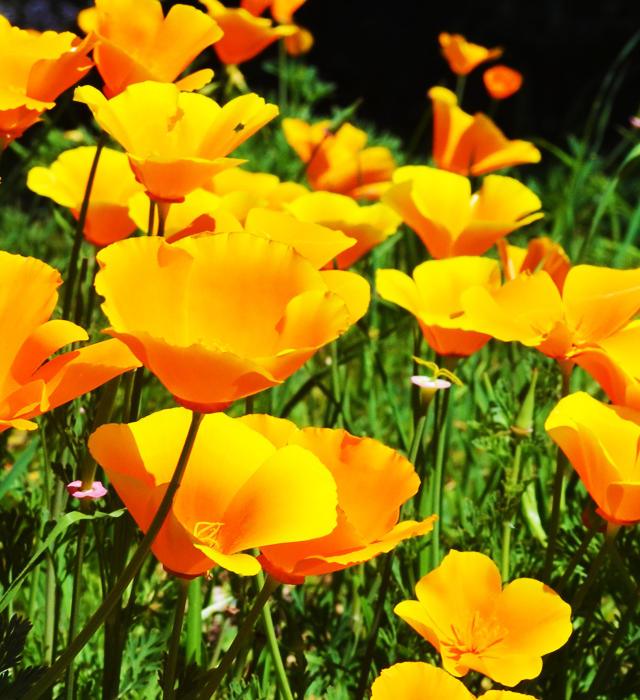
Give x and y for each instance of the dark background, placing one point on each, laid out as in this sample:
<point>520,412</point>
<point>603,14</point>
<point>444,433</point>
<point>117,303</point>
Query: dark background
<point>386,52</point>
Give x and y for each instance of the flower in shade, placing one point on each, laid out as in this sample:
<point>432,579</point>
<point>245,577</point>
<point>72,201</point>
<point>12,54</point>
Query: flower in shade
<point>65,181</point>
<point>369,226</point>
<point>502,82</point>
<point>373,482</point>
<point>601,442</point>
<point>462,55</point>
<point>97,490</point>
<point>340,162</point>
<point>29,385</point>
<point>221,317</point>
<point>35,69</point>
<point>415,680</point>
<point>440,208</point>
<point>463,143</point>
<point>176,141</point>
<point>137,42</point>
<point>433,297</point>
<point>540,254</point>
<point>245,36</point>
<point>238,491</point>
<point>463,611</point>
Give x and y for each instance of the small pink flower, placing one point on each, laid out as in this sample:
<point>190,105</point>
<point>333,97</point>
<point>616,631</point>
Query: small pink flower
<point>635,121</point>
<point>428,383</point>
<point>97,490</point>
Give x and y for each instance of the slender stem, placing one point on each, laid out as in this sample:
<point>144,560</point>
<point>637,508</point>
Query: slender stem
<point>438,487</point>
<point>580,552</point>
<point>194,622</point>
<point>79,232</point>
<point>75,600</point>
<point>419,133</point>
<point>375,626</point>
<point>152,216</point>
<point>460,83</point>
<point>282,76</point>
<point>127,575</point>
<point>169,680</point>
<point>136,395</point>
<point>163,212</point>
<point>507,525</point>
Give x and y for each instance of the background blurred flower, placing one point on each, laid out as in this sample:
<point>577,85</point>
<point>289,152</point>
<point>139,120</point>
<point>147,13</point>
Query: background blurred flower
<point>502,82</point>
<point>464,56</point>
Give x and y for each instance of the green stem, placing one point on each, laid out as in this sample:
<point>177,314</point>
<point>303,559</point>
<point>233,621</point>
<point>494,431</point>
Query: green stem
<point>580,552</point>
<point>163,212</point>
<point>127,576</point>
<point>438,487</point>
<point>460,83</point>
<point>79,232</point>
<point>282,76</point>
<point>507,525</point>
<point>419,133</point>
<point>75,600</point>
<point>136,395</point>
<point>194,622</point>
<point>169,680</point>
<point>152,216</point>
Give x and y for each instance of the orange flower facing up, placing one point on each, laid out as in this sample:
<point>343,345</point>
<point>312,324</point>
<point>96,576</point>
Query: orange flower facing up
<point>245,36</point>
<point>463,143</point>
<point>433,297</point>
<point>373,482</point>
<point>601,442</point>
<point>501,82</point>
<point>369,226</point>
<point>221,317</point>
<point>439,207</point>
<point>463,611</point>
<point>340,162</point>
<point>65,181</point>
<point>414,680</point>
<point>138,43</point>
<point>238,491</point>
<point>34,70</point>
<point>176,141</point>
<point>464,56</point>
<point>540,254</point>
<point>29,385</point>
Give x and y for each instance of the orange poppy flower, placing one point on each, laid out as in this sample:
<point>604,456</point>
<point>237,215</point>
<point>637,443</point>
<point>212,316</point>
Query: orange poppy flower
<point>433,297</point>
<point>138,43</point>
<point>299,43</point>
<point>464,56</point>
<point>463,611</point>
<point>65,181</point>
<point>34,70</point>
<point>501,82</point>
<point>221,317</point>
<point>238,490</point>
<point>29,385</point>
<point>463,144</point>
<point>305,138</point>
<point>176,141</point>
<point>601,442</point>
<point>373,482</point>
<point>369,226</point>
<point>281,10</point>
<point>245,36</point>
<point>440,208</point>
<point>540,254</point>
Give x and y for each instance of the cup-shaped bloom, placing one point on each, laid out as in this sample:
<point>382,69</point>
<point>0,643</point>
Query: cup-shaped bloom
<point>463,143</point>
<point>439,207</point>
<point>540,254</point>
<point>245,35</point>
<point>462,55</point>
<point>474,623</point>
<point>501,82</point>
<point>220,317</point>
<point>176,141</point>
<point>29,385</point>
<point>433,297</point>
<point>65,181</point>
<point>369,226</point>
<point>137,42</point>
<point>596,303</point>
<point>373,482</point>
<point>238,490</point>
<point>34,70</point>
<point>601,442</point>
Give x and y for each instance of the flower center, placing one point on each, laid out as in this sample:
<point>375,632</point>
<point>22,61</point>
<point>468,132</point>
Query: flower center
<point>478,635</point>
<point>207,533</point>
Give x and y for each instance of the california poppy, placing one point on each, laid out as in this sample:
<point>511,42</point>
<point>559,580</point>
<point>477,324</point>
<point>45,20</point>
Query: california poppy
<point>463,143</point>
<point>238,490</point>
<point>601,442</point>
<point>221,317</point>
<point>65,181</point>
<point>433,297</point>
<point>373,482</point>
<point>450,221</point>
<point>137,42</point>
<point>462,55</point>
<point>501,82</point>
<point>176,141</point>
<point>29,385</point>
<point>36,69</point>
<point>540,254</point>
<point>282,11</point>
<point>463,611</point>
